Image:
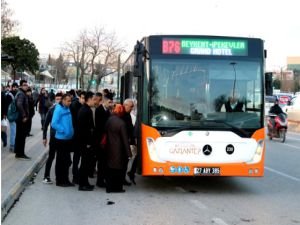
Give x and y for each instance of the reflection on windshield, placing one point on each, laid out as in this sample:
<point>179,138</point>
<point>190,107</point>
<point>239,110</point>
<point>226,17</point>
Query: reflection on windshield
<point>186,91</point>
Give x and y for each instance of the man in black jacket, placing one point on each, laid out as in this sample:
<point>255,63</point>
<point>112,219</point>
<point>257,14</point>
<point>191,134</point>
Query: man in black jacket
<point>22,121</point>
<point>74,108</point>
<point>52,149</point>
<point>86,140</point>
<point>102,114</point>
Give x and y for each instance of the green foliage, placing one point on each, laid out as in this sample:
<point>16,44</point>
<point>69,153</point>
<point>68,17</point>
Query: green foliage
<point>25,53</point>
<point>276,84</point>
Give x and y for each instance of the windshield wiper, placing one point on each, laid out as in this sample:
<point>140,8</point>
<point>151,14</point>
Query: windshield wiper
<point>234,128</point>
<point>167,131</point>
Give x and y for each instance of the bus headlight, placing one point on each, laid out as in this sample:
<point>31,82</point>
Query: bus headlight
<point>258,153</point>
<point>152,150</point>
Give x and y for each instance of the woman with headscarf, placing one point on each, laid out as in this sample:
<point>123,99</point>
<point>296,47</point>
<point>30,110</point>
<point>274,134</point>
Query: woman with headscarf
<point>117,150</point>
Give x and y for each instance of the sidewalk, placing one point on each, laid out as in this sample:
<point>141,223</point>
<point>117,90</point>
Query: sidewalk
<point>16,174</point>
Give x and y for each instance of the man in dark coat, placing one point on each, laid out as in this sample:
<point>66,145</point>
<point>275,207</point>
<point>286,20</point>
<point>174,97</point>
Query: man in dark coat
<point>102,114</point>
<point>117,151</point>
<point>74,108</point>
<point>86,140</point>
<point>22,121</point>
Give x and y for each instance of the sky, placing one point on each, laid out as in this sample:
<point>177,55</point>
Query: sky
<point>51,23</point>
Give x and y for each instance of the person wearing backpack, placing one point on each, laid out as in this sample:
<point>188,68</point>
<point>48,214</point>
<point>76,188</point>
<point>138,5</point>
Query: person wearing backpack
<point>22,121</point>
<point>10,97</point>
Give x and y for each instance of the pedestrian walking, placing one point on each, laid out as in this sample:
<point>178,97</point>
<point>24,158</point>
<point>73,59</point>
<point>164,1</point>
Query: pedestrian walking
<point>62,123</point>
<point>22,121</point>
<point>117,151</point>
<point>52,146</point>
<point>86,141</point>
<point>31,110</point>
<point>44,104</point>
<point>35,96</point>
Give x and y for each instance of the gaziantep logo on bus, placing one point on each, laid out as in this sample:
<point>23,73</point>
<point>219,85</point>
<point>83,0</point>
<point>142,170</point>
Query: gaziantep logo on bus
<point>207,149</point>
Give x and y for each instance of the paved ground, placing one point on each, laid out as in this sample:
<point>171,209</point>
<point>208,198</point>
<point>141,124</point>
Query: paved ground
<point>15,174</point>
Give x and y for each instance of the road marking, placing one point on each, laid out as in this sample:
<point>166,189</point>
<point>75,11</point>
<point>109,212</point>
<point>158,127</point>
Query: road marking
<point>198,204</point>
<point>290,138</point>
<point>293,146</point>
<point>282,174</point>
<point>218,221</point>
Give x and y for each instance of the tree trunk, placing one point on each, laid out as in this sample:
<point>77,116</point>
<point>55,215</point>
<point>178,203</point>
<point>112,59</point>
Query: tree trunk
<point>82,80</point>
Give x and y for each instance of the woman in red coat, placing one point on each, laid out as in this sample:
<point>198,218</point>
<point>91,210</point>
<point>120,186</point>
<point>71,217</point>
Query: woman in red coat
<point>117,150</point>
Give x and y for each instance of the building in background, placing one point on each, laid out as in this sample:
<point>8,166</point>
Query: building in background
<point>288,76</point>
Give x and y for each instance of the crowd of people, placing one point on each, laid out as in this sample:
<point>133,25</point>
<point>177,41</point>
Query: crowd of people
<point>88,132</point>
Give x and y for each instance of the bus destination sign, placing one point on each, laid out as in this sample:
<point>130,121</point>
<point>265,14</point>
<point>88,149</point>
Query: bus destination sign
<point>218,47</point>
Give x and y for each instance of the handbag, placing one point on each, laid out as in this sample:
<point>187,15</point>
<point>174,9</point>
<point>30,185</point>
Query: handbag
<point>4,124</point>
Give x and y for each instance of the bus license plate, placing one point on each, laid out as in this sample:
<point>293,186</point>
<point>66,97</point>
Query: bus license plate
<point>207,171</point>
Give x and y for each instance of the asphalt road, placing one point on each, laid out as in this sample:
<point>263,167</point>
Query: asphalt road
<point>273,199</point>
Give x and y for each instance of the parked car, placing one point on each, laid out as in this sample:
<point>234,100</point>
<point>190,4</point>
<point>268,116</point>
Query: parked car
<point>293,109</point>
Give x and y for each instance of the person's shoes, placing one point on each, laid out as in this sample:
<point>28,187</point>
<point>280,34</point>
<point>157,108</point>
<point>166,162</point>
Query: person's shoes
<point>101,184</point>
<point>62,185</point>
<point>75,180</point>
<point>47,180</point>
<point>12,148</point>
<point>131,177</point>
<point>86,188</point>
<point>70,184</point>
<point>126,183</point>
<point>23,157</point>
<point>115,191</point>
<point>66,184</point>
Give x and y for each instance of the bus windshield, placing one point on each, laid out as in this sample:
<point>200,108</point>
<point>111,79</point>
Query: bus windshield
<point>206,93</point>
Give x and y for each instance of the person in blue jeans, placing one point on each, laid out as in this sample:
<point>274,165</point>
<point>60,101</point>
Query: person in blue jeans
<point>10,96</point>
<point>62,124</point>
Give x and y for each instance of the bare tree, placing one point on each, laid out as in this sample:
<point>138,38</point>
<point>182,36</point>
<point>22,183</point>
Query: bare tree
<point>108,60</point>
<point>78,51</point>
<point>95,40</point>
<point>60,68</point>
<point>95,49</point>
<point>8,25</point>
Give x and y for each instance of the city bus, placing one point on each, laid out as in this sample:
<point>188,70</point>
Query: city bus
<point>200,104</point>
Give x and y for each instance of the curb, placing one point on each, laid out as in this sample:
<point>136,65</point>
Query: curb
<point>19,187</point>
